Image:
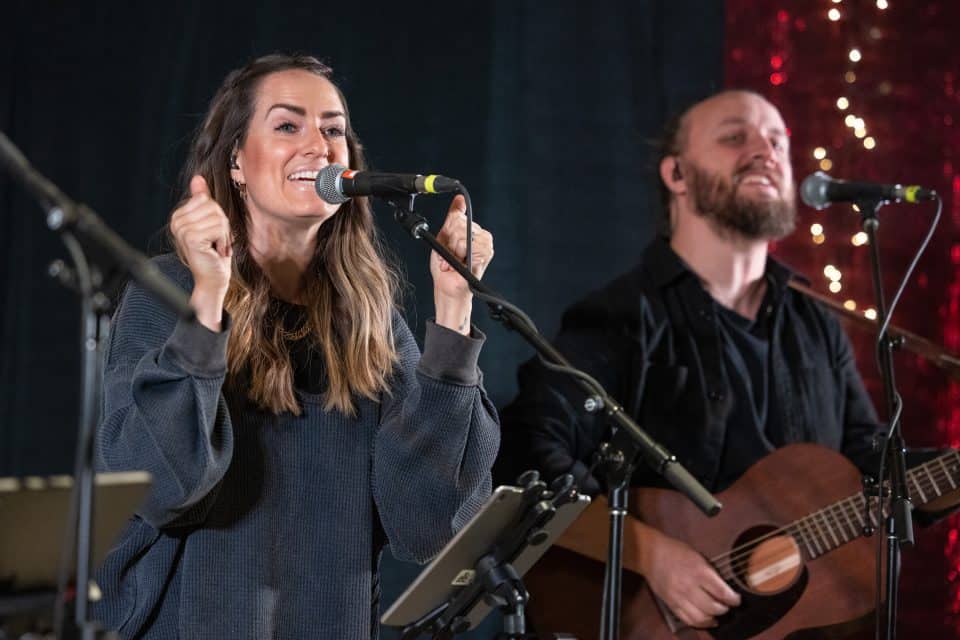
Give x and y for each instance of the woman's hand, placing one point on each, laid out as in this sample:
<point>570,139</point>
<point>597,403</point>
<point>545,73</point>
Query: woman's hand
<point>202,233</point>
<point>452,295</point>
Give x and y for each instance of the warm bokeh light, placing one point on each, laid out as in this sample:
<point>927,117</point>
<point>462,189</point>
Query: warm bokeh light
<point>835,286</point>
<point>849,305</point>
<point>882,4</point>
<point>816,229</point>
<point>869,142</point>
<point>860,238</point>
<point>819,153</point>
<point>819,239</point>
<point>870,314</point>
<point>826,164</point>
<point>854,55</point>
<point>850,120</point>
<point>833,15</point>
<point>842,103</point>
<point>850,77</point>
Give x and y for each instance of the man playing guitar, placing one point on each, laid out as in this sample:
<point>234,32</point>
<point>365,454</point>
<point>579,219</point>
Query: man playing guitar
<point>705,343</point>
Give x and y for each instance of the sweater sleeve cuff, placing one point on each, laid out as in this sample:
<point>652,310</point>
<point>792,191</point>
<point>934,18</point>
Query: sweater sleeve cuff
<point>451,356</point>
<point>200,351</point>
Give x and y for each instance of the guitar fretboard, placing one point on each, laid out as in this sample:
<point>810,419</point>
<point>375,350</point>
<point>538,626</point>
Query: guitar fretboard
<point>836,524</point>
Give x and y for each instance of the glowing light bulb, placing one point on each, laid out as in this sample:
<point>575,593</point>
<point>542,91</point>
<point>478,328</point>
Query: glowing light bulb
<point>842,103</point>
<point>859,124</point>
<point>870,314</point>
<point>882,4</point>
<point>819,153</point>
<point>828,270</point>
<point>833,15</point>
<point>835,286</point>
<point>826,164</point>
<point>816,229</point>
<point>869,142</point>
<point>849,305</point>
<point>859,239</point>
<point>850,120</point>
<point>860,132</point>
<point>819,239</point>
<point>850,77</point>
<point>854,55</point>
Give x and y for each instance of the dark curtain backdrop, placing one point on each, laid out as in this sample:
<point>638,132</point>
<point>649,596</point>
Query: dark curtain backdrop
<point>544,110</point>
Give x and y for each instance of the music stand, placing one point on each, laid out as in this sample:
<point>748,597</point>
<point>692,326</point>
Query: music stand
<point>481,567</point>
<point>34,512</point>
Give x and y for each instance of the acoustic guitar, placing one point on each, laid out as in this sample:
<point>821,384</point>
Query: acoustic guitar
<point>790,539</point>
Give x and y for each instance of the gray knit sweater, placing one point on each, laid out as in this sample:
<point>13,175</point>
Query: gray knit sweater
<point>263,526</point>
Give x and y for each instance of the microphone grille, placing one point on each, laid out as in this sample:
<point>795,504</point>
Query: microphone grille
<point>813,190</point>
<point>328,184</point>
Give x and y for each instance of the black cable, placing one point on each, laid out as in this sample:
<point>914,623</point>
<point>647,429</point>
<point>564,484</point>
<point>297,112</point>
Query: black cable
<point>84,282</point>
<point>898,411</point>
<point>462,190</point>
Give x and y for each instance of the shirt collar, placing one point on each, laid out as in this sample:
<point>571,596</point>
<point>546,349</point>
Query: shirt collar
<point>665,266</point>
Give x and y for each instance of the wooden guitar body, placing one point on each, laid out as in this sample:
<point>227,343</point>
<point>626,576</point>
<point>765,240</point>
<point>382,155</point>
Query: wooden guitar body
<point>815,590</point>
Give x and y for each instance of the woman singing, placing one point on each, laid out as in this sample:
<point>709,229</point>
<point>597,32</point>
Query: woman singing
<point>296,428</point>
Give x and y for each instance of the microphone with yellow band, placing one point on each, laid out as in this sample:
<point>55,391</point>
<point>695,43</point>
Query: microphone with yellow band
<point>819,191</point>
<point>336,184</point>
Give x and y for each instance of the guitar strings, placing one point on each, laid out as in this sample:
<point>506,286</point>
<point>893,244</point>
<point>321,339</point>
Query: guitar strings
<point>803,534</point>
<point>738,557</point>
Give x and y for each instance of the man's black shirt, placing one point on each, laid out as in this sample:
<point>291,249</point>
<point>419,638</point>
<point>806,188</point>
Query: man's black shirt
<point>718,393</point>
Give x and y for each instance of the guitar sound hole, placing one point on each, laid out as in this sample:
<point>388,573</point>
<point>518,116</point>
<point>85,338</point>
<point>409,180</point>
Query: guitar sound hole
<point>766,564</point>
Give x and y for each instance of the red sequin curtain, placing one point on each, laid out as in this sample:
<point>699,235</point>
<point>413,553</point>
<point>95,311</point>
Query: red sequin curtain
<point>870,91</point>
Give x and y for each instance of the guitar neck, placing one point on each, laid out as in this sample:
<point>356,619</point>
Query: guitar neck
<point>838,523</point>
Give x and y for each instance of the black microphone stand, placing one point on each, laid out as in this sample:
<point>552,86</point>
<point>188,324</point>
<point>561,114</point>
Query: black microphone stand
<point>629,442</point>
<point>899,521</point>
<point>82,230</point>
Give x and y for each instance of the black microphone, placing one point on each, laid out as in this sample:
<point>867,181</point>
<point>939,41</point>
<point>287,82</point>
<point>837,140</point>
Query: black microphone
<point>820,191</point>
<point>336,184</point>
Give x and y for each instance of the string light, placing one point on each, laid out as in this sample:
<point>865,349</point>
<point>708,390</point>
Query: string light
<point>819,57</point>
<point>835,286</point>
<point>816,229</point>
<point>829,271</point>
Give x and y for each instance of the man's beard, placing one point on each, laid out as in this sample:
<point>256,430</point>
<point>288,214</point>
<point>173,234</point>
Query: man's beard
<point>717,201</point>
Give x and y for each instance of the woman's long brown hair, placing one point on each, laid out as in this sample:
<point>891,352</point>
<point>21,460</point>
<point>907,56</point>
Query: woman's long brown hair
<point>349,289</point>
